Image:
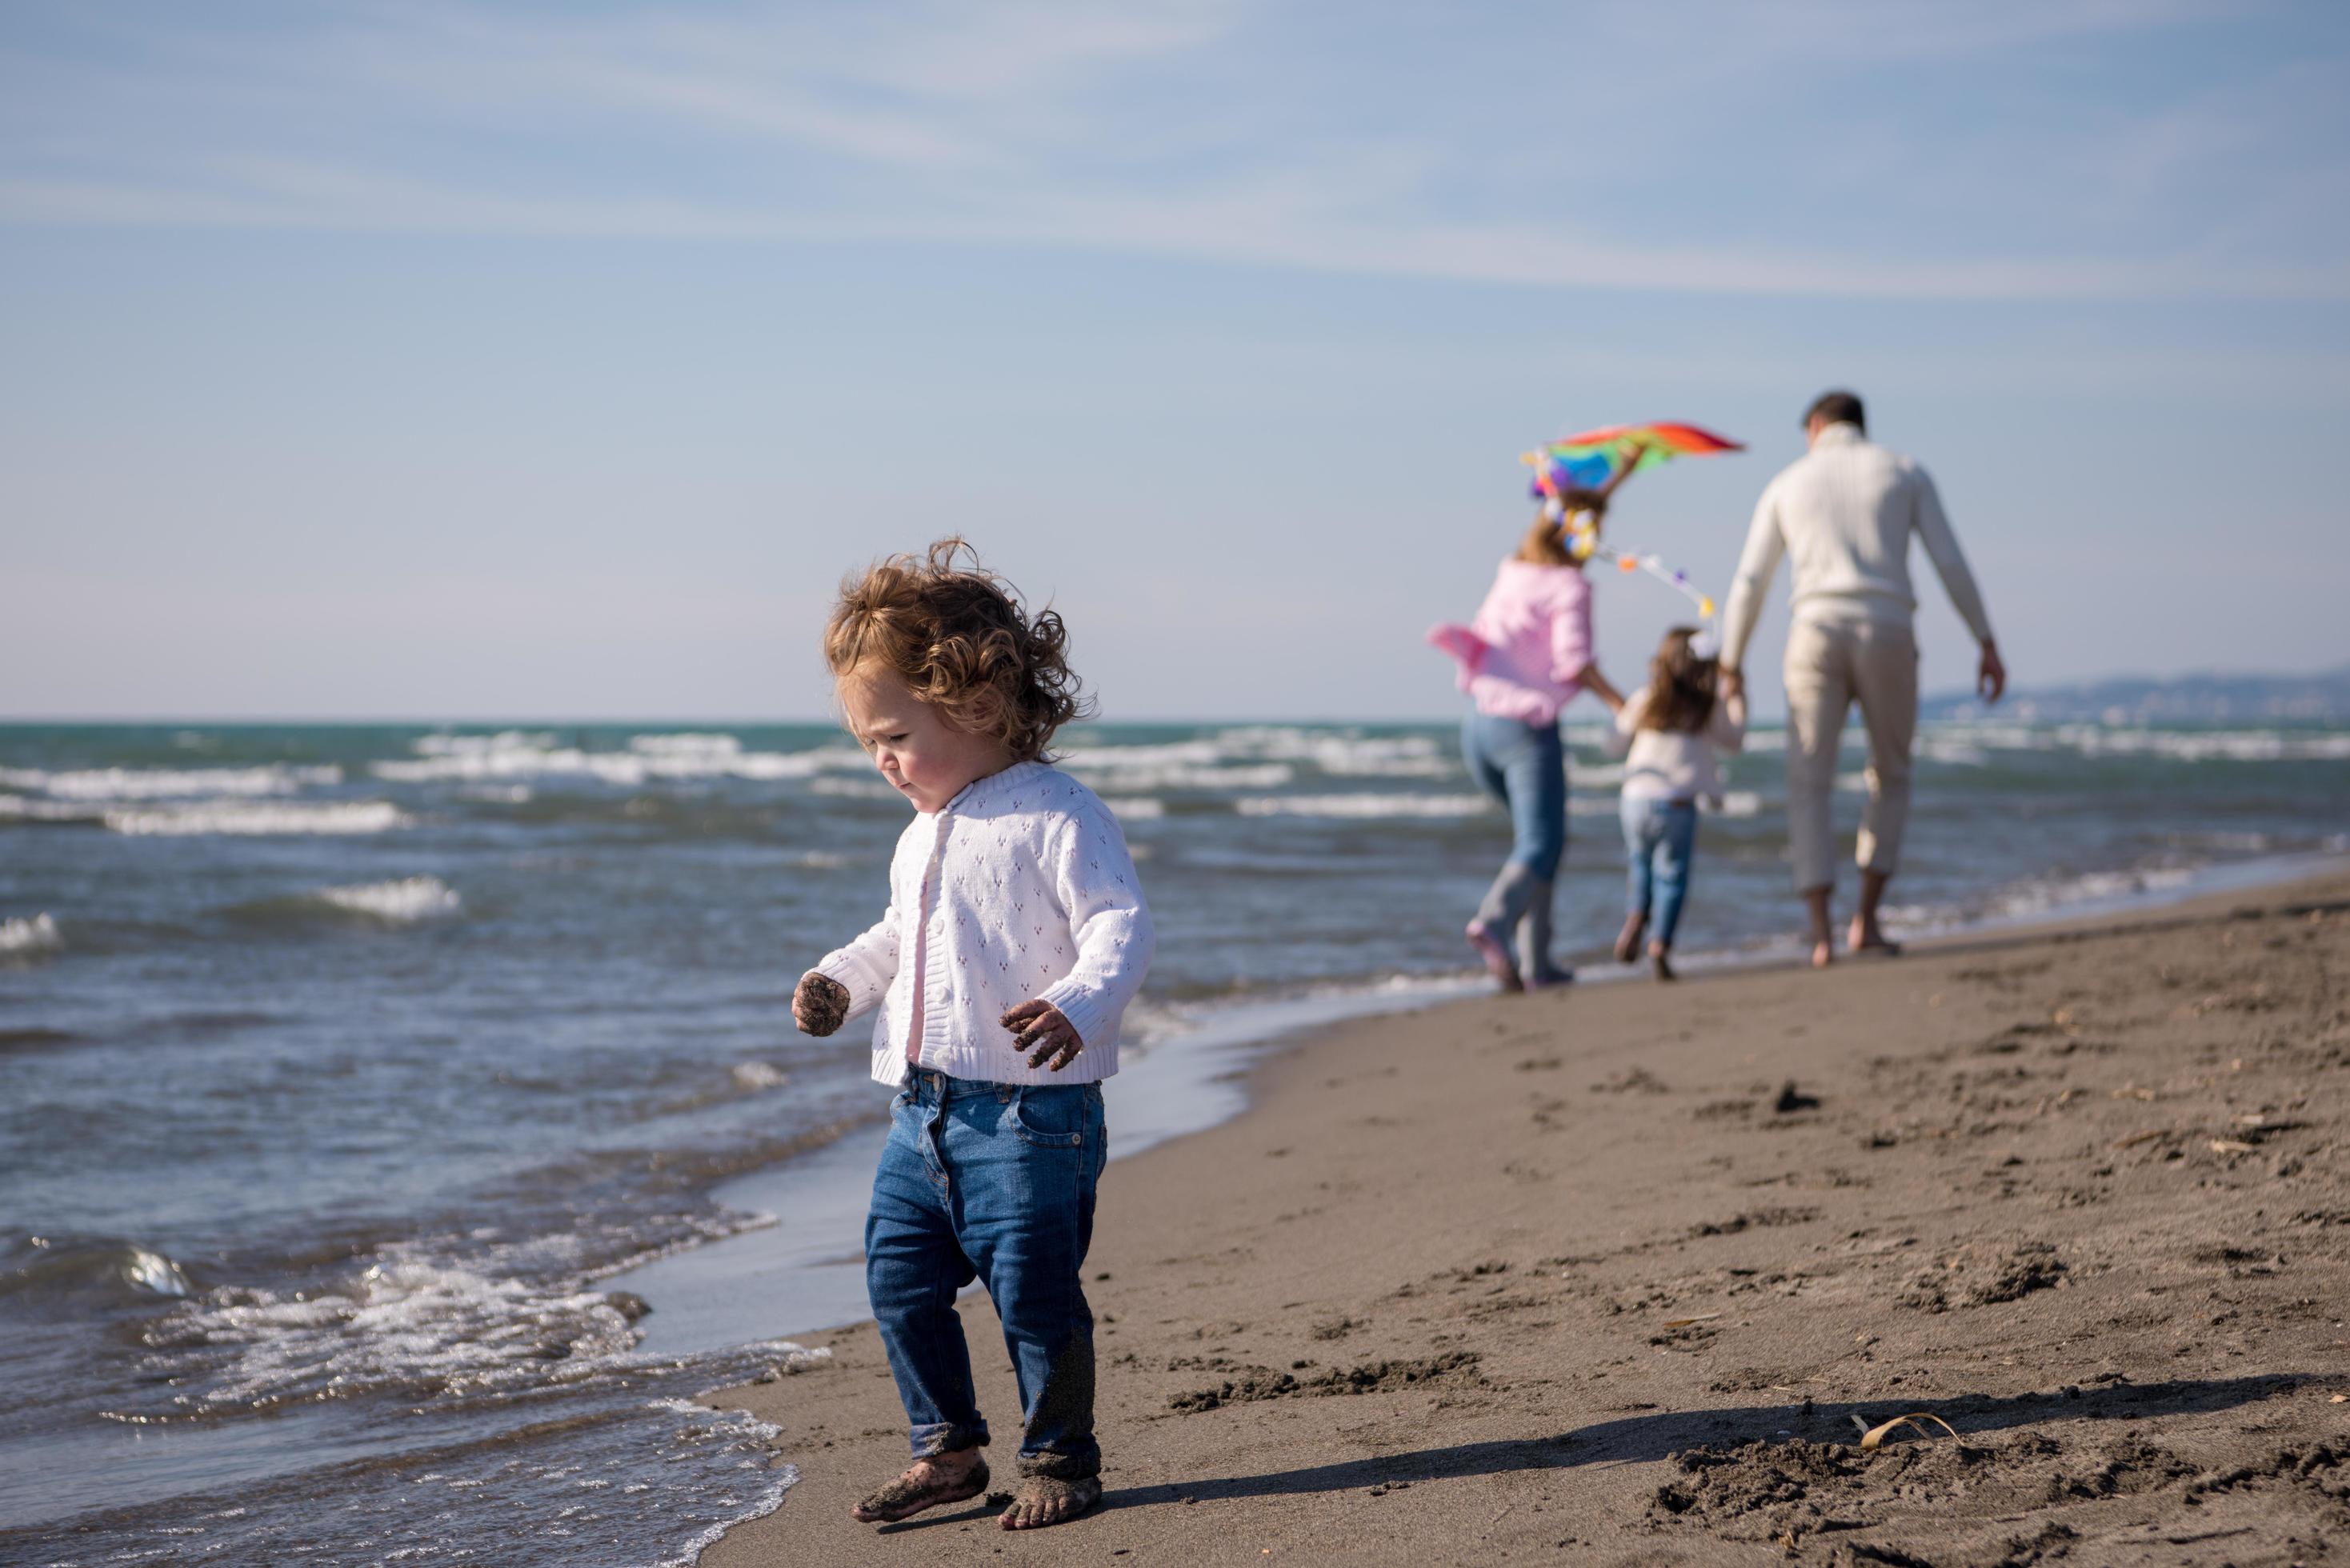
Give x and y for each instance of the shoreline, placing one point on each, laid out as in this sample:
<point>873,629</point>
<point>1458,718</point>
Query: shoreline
<point>1411,1224</point>
<point>802,1274</point>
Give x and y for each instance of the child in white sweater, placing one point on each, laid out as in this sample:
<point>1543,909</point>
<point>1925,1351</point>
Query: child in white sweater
<point>1016,936</point>
<point>1670,734</point>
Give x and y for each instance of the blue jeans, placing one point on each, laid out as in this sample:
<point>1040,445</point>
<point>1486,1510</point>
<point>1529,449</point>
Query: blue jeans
<point>1524,766</point>
<point>1658,837</point>
<point>994,1182</point>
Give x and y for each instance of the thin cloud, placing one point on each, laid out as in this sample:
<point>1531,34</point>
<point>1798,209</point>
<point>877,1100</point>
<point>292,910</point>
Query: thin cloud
<point>1187,134</point>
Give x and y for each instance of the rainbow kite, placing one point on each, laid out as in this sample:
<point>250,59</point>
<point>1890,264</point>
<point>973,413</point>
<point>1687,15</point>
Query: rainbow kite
<point>1588,461</point>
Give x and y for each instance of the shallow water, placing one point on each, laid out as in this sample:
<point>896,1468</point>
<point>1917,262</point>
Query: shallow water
<point>342,1069</point>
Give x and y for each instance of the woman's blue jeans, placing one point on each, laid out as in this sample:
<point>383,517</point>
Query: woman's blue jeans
<point>993,1182</point>
<point>1524,766</point>
<point>1658,836</point>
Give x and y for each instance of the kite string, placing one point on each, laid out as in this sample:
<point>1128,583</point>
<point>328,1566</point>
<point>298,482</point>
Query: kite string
<point>1585,546</point>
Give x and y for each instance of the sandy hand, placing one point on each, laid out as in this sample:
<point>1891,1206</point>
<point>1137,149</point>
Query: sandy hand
<point>1038,1029</point>
<point>819,1004</point>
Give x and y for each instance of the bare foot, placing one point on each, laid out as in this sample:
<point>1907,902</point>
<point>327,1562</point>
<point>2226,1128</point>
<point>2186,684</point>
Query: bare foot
<point>1627,940</point>
<point>1868,937</point>
<point>1042,1500</point>
<point>1660,961</point>
<point>1498,961</point>
<point>928,1484</point>
<point>1822,953</point>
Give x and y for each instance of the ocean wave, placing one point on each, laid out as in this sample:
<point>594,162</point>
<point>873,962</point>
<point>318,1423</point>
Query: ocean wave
<point>1129,777</point>
<point>401,902</point>
<point>408,1323</point>
<point>22,808</point>
<point>166,784</point>
<point>44,1269</point>
<point>1343,755</point>
<point>2208,745</point>
<point>523,754</point>
<point>855,789</point>
<point>1249,750</point>
<point>2038,896</point>
<point>1739,803</point>
<point>1135,807</point>
<point>1365,806</point>
<point>259,819</point>
<point>30,936</point>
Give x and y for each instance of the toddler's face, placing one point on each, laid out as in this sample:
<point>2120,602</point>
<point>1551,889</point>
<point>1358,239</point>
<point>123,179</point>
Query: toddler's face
<point>924,758</point>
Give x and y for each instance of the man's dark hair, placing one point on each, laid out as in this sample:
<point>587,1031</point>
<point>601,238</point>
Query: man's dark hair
<point>1838,408</point>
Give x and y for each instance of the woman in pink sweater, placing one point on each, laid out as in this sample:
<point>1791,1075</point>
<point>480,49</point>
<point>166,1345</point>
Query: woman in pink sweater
<point>1524,659</point>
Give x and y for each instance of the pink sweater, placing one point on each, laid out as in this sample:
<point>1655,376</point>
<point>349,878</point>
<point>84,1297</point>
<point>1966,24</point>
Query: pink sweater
<point>1523,655</point>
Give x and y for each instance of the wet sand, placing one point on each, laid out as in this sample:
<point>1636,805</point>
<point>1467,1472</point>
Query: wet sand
<point>1604,1275</point>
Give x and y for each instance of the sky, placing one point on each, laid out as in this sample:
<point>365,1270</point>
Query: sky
<point>441,360</point>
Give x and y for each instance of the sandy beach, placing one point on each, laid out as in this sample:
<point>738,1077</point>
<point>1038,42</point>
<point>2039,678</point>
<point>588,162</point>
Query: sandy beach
<point>1606,1274</point>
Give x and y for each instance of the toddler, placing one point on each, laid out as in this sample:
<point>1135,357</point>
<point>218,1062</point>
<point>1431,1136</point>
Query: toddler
<point>1014,937</point>
<point>1670,734</point>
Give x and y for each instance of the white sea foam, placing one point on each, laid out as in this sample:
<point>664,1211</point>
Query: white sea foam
<point>2042,896</point>
<point>166,783</point>
<point>24,809</point>
<point>149,1271</point>
<point>29,934</point>
<point>1135,807</point>
<point>1739,803</point>
<point>1243,758</point>
<point>1128,776</point>
<point>1363,805</point>
<point>1352,754</point>
<point>406,1319</point>
<point>401,902</point>
<point>759,1075</point>
<point>524,755</point>
<point>2209,746</point>
<point>260,818</point>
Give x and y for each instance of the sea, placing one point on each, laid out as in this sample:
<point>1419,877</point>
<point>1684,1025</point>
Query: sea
<point>401,1125</point>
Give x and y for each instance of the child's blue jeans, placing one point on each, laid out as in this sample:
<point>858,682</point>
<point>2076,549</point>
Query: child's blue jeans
<point>994,1182</point>
<point>1658,837</point>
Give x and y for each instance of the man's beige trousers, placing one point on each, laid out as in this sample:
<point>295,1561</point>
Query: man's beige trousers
<point>1830,666</point>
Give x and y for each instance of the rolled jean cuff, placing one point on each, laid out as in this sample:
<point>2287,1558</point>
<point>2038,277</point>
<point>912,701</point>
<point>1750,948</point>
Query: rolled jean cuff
<point>1062,1467</point>
<point>947,1438</point>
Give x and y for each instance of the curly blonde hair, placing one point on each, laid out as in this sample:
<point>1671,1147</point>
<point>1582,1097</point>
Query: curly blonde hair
<point>963,642</point>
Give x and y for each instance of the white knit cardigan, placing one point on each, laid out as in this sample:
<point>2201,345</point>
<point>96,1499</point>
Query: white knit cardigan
<point>1021,888</point>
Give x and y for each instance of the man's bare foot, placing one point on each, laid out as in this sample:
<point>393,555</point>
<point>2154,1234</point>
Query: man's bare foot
<point>1627,940</point>
<point>1042,1500</point>
<point>1660,961</point>
<point>1868,937</point>
<point>928,1484</point>
<point>1822,953</point>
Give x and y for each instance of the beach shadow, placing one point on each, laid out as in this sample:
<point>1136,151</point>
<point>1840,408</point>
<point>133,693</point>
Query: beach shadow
<point>1660,1436</point>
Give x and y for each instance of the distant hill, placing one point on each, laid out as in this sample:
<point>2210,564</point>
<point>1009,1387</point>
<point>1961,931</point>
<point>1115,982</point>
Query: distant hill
<point>2184,699</point>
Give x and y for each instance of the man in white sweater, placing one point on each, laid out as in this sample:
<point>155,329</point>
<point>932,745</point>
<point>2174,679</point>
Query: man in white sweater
<point>1845,514</point>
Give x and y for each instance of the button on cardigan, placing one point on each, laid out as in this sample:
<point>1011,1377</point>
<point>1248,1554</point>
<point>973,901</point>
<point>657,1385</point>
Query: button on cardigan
<point>1021,888</point>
